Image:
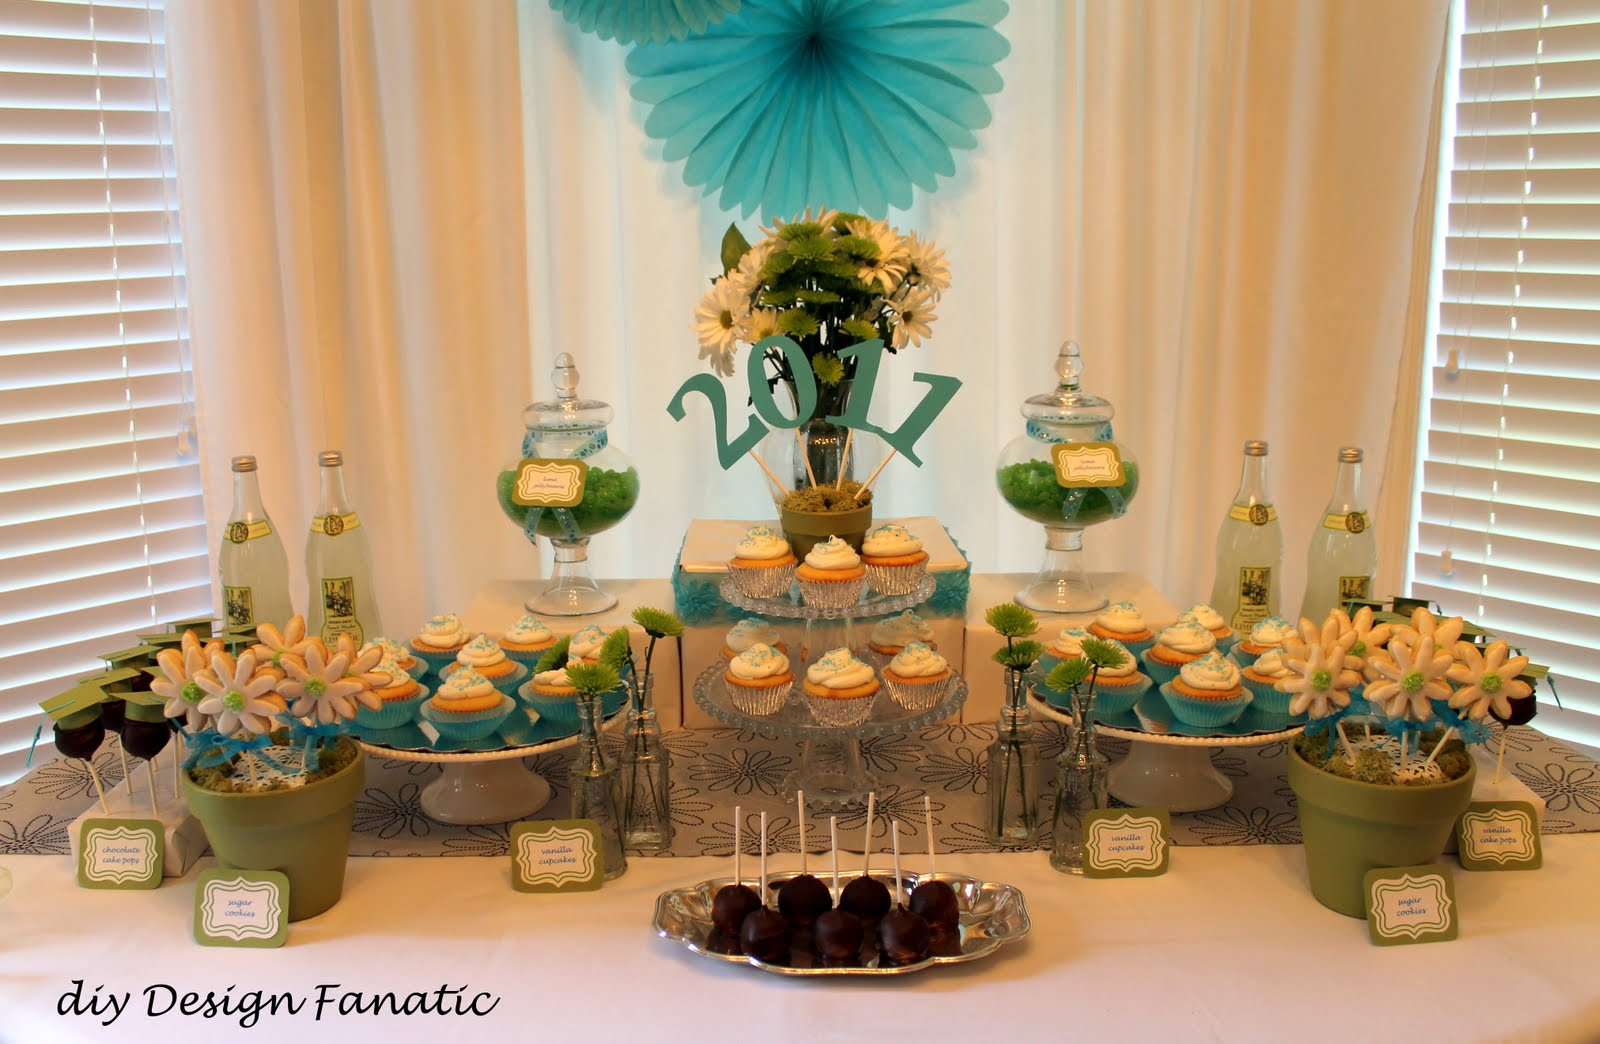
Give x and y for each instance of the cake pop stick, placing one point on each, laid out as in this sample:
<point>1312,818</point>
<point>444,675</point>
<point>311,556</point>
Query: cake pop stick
<point>763,892</point>
<point>127,774</point>
<point>99,788</point>
<point>1344,741</point>
<point>899,891</point>
<point>866,834</point>
<point>800,802</point>
<point>177,767</point>
<point>927,819</point>
<point>844,458</point>
<point>801,443</point>
<point>833,843</point>
<point>1437,747</point>
<point>1500,758</point>
<point>150,771</point>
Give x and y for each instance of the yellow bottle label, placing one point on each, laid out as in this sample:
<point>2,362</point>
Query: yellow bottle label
<point>1354,588</point>
<point>1255,514</point>
<point>339,609</point>
<point>239,532</point>
<point>1353,522</point>
<point>238,603</point>
<point>333,525</point>
<point>1255,593</point>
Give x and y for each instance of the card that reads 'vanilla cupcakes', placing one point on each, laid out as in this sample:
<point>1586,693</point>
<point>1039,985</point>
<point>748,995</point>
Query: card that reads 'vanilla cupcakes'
<point>558,855</point>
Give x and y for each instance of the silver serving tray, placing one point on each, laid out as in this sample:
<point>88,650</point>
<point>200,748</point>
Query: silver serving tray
<point>992,914</point>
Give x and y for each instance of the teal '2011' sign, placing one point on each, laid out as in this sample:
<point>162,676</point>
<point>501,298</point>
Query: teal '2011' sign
<point>868,356</point>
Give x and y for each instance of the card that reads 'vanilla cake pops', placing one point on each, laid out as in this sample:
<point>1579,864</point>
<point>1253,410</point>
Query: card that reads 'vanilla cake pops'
<point>1499,835</point>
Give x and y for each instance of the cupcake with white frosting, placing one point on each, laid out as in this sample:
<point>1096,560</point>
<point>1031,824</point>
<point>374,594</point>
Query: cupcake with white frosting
<point>752,630</point>
<point>467,707</point>
<point>393,650</point>
<point>527,639</point>
<point>893,633</point>
<point>1183,642</point>
<point>1124,622</point>
<point>585,645</point>
<point>832,575</point>
<point>917,677</point>
<point>399,699</point>
<point>1267,633</point>
<point>840,689</point>
<point>1212,621</point>
<point>894,559</point>
<point>439,641</point>
<point>1261,678</point>
<point>762,565</point>
<point>1067,644</point>
<point>484,655</point>
<point>553,695</point>
<point>1207,693</point>
<point>759,680</point>
<point>1116,689</point>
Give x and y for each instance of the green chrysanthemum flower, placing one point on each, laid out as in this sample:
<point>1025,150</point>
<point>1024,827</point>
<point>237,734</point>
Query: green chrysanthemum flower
<point>1011,620</point>
<point>658,623</point>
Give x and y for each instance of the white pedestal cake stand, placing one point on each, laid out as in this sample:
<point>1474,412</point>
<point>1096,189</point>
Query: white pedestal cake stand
<point>1164,770</point>
<point>477,787</point>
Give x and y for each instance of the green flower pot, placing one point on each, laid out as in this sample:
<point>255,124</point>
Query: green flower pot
<point>304,832</point>
<point>1351,827</point>
<point>806,529</point>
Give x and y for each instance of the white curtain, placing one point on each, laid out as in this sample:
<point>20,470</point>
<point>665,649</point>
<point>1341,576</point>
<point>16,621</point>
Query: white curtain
<point>353,219</point>
<point>1222,201</point>
<point>1227,204</point>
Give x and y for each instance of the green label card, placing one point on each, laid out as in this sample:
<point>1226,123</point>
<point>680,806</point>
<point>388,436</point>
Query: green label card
<point>241,908</point>
<point>120,853</point>
<point>1499,835</point>
<point>1087,464</point>
<point>1410,904</point>
<point>549,483</point>
<point>557,855</point>
<point>1126,842</point>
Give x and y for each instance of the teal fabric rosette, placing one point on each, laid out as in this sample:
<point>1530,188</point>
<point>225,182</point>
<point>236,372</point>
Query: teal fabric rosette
<point>788,103</point>
<point>637,21</point>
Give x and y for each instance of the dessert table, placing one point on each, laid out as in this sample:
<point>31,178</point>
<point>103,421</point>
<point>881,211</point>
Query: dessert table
<point>1178,957</point>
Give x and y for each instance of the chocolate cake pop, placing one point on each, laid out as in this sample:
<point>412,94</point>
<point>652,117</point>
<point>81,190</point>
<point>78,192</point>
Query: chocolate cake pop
<point>77,729</point>
<point>902,935</point>
<point>803,898</point>
<point>144,735</point>
<point>837,935</point>
<point>866,898</point>
<point>734,902</point>
<point>764,934</point>
<point>934,900</point>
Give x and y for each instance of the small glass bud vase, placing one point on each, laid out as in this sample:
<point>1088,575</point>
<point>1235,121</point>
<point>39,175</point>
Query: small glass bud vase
<point>646,769</point>
<point>1014,773</point>
<point>594,780</point>
<point>1081,786</point>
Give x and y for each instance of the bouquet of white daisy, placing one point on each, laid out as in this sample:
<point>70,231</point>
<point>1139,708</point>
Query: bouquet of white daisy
<point>826,281</point>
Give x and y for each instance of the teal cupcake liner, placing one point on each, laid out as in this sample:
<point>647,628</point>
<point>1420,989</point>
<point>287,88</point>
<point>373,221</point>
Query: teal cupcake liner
<point>393,713</point>
<point>527,659</point>
<point>473,726</point>
<point>1205,714</point>
<point>1243,657</point>
<point>1109,700</point>
<point>1268,699</point>
<point>432,662</point>
<point>1225,645</point>
<point>1136,648</point>
<point>1159,672</point>
<point>507,684</point>
<point>557,710</point>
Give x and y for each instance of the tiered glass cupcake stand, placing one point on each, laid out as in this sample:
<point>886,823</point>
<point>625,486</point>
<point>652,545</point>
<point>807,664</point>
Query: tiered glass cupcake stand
<point>1168,764</point>
<point>484,781</point>
<point>831,770</point>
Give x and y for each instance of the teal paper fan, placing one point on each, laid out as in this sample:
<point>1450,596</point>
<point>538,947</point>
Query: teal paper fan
<point>848,103</point>
<point>636,21</point>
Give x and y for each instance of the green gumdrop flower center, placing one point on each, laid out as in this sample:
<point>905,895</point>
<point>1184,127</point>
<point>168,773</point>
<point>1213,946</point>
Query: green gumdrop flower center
<point>1491,683</point>
<point>192,692</point>
<point>1320,680</point>
<point>315,687</point>
<point>1413,682</point>
<point>233,700</point>
<point>1358,649</point>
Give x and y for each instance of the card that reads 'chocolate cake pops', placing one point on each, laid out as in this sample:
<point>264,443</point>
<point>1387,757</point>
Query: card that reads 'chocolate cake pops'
<point>558,855</point>
<point>1499,835</point>
<point>120,853</point>
<point>1126,842</point>
<point>1410,904</point>
<point>247,908</point>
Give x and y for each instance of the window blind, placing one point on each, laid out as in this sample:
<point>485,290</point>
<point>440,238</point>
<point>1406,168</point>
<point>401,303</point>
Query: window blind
<point>1506,529</point>
<point>100,505</point>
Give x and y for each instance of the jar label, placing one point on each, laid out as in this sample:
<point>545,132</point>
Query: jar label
<point>239,605</point>
<point>239,532</point>
<point>1351,522</point>
<point>339,609</point>
<point>1255,514</point>
<point>1354,589</point>
<point>549,483</point>
<point>1087,464</point>
<point>333,525</point>
<point>1255,591</point>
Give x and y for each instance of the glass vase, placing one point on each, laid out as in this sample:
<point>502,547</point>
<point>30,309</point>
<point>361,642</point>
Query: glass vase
<point>594,779</point>
<point>645,770</point>
<point>1014,783</point>
<point>1081,786</point>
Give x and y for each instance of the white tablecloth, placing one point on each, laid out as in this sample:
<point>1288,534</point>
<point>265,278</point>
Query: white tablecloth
<point>1229,946</point>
